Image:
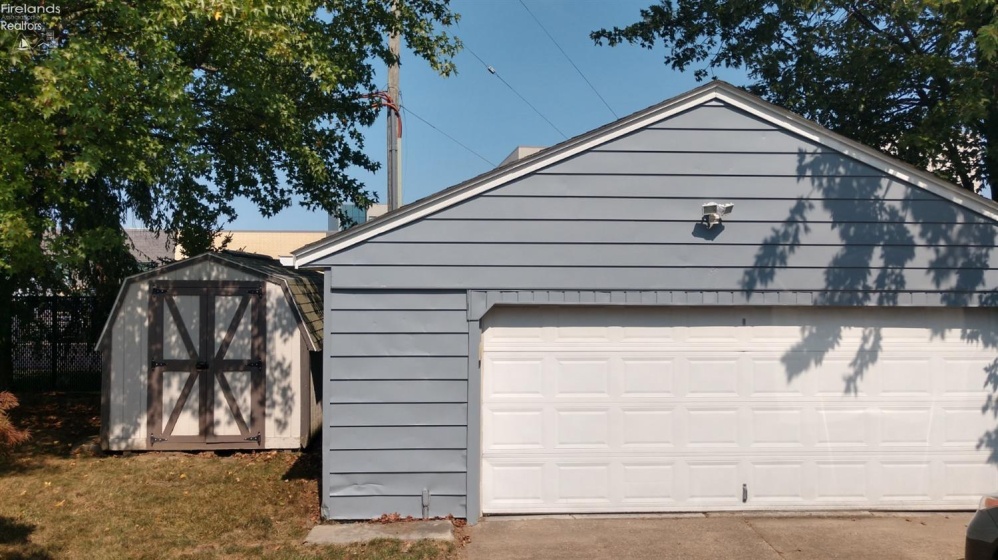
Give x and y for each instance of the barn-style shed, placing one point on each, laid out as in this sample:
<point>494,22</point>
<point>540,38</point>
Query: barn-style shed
<point>213,352</point>
<point>566,333</point>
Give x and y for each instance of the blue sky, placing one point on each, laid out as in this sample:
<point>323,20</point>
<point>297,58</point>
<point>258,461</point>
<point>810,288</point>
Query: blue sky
<point>479,111</point>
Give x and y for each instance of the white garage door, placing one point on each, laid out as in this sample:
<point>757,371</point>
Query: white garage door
<point>696,409</point>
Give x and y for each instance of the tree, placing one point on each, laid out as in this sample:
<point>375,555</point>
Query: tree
<point>917,78</point>
<point>10,435</point>
<point>170,109</point>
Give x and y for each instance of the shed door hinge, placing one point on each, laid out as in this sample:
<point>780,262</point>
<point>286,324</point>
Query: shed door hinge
<point>153,439</point>
<point>157,364</point>
<point>255,291</point>
<point>255,438</point>
<point>159,291</point>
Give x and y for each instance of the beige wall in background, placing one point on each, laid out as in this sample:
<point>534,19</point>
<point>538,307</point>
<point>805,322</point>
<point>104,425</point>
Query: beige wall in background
<point>275,244</point>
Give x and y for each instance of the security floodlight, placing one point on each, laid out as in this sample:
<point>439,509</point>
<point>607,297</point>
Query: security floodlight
<point>713,212</point>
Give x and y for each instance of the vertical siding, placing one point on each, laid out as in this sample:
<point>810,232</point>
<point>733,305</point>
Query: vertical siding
<point>129,371</point>
<point>396,409</point>
<point>284,393</point>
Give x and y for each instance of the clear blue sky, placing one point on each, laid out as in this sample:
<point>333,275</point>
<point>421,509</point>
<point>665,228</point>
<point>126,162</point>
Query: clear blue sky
<point>479,111</point>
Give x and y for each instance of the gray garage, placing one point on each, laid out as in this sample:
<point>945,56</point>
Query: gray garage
<point>568,334</point>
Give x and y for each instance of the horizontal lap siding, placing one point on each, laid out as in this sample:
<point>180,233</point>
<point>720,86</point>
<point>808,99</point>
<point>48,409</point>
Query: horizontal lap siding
<point>809,226</point>
<point>396,407</point>
<point>625,216</point>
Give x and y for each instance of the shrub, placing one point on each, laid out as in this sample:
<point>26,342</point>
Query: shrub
<point>10,436</point>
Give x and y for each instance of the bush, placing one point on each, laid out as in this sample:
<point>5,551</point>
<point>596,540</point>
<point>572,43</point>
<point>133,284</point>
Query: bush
<point>10,436</point>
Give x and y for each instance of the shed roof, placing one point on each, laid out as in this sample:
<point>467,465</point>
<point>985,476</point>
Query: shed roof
<point>303,288</point>
<point>714,91</point>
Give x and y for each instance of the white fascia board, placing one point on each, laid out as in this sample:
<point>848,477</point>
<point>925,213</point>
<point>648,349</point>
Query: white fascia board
<point>514,174</point>
<point>751,105</point>
<point>868,156</point>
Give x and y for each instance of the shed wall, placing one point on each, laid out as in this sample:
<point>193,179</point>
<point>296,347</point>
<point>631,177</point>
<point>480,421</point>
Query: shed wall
<point>623,217</point>
<point>130,358</point>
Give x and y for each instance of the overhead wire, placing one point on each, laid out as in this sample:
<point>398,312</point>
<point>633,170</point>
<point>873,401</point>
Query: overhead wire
<point>452,139</point>
<point>495,73</point>
<point>569,59</point>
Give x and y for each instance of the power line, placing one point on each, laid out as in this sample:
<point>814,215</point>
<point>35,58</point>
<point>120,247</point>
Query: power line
<point>495,73</point>
<point>569,59</point>
<point>455,140</point>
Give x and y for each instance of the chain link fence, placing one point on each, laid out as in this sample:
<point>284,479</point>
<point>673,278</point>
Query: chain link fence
<point>53,343</point>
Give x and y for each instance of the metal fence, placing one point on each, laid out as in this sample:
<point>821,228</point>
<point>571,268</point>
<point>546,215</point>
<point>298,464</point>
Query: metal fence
<point>53,343</point>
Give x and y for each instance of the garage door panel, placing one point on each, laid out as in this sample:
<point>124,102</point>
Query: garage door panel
<point>780,427</point>
<point>713,482</point>
<point>647,483</point>
<point>905,481</point>
<point>515,378</point>
<point>518,428</point>
<point>651,377</point>
<point>842,481</point>
<point>647,428</point>
<point>581,377</point>
<point>777,482</point>
<point>965,478</point>
<point>713,376</point>
<point>712,427</point>
<point>906,427</point>
<point>673,410</point>
<point>582,428</point>
<point>904,377</point>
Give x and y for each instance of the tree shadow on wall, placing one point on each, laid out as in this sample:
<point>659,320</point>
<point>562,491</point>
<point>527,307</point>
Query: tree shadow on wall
<point>891,242</point>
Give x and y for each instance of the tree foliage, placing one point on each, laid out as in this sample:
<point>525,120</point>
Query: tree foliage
<point>916,78</point>
<point>170,109</point>
<point>10,435</point>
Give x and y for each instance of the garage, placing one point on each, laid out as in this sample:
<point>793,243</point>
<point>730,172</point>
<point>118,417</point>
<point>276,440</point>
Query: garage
<point>712,304</point>
<point>701,409</point>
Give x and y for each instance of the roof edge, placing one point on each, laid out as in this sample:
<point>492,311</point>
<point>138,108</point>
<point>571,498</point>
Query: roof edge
<point>493,178</point>
<point>720,90</point>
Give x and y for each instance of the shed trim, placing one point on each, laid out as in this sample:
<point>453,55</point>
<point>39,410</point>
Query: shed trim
<point>222,259</point>
<point>717,90</point>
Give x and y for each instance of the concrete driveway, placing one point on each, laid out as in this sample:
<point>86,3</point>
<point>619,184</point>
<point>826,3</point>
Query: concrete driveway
<point>934,536</point>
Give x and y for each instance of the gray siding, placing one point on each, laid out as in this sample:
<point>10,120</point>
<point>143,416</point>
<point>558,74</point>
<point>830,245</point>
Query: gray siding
<point>615,225</point>
<point>624,216</point>
<point>396,412</point>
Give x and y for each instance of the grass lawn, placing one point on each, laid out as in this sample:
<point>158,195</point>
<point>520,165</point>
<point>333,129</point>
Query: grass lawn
<point>159,505</point>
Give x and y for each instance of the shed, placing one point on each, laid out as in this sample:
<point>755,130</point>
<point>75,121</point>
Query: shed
<point>218,351</point>
<point>566,334</point>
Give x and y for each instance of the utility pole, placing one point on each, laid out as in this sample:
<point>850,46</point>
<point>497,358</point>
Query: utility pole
<point>394,166</point>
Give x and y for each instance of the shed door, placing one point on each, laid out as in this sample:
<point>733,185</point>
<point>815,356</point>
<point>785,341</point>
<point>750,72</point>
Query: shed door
<point>207,377</point>
<point>699,409</point>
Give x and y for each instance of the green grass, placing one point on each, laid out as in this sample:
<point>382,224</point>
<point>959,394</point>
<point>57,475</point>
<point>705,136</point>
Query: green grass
<point>160,505</point>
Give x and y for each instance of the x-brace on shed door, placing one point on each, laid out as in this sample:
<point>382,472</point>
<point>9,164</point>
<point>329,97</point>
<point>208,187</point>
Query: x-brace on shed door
<point>206,378</point>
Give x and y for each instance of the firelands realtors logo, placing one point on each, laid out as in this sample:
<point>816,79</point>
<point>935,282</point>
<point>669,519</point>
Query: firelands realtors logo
<point>25,17</point>
<point>27,20</point>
